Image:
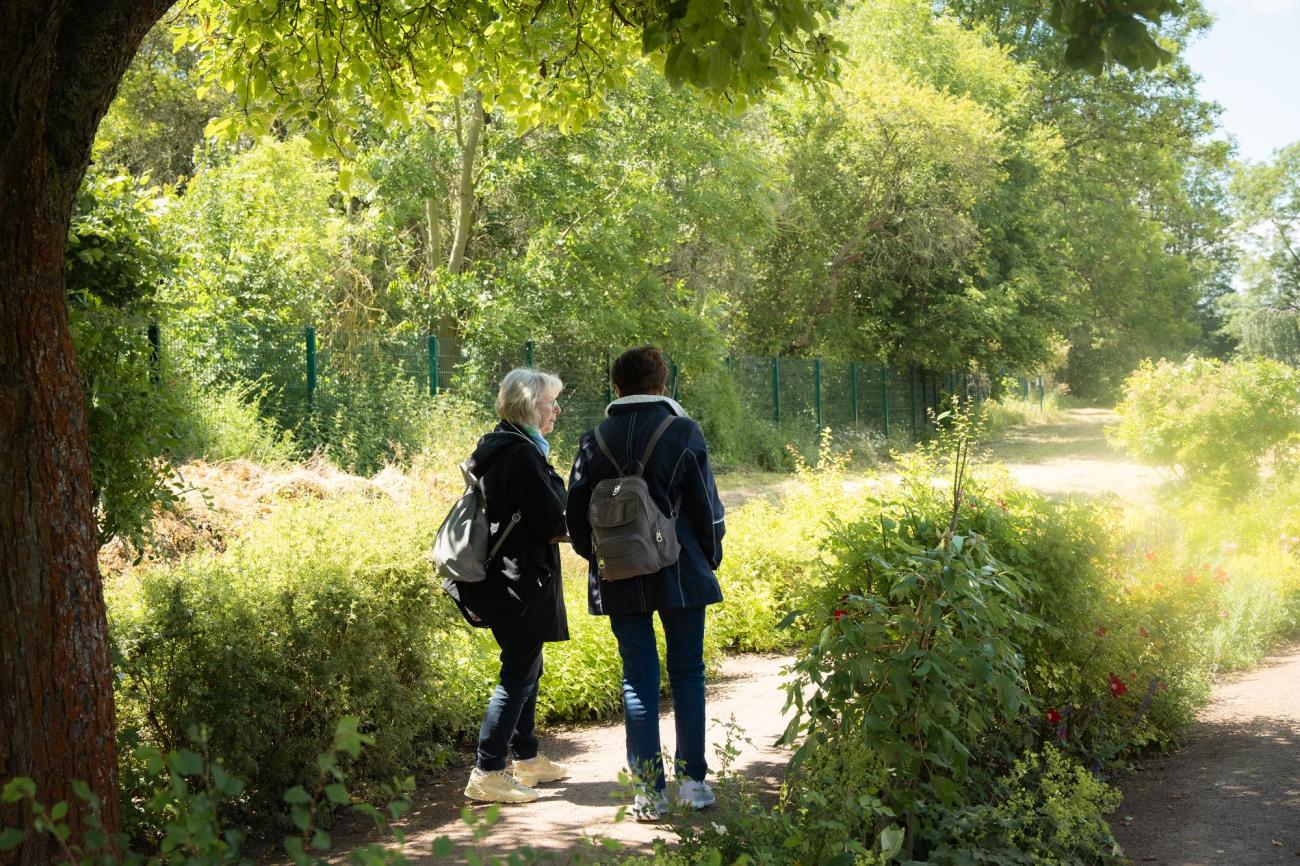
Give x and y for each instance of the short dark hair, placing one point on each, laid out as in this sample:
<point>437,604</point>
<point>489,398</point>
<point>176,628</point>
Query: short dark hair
<point>640,371</point>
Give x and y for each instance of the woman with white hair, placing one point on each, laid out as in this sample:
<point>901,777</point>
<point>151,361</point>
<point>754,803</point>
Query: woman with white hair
<point>522,597</point>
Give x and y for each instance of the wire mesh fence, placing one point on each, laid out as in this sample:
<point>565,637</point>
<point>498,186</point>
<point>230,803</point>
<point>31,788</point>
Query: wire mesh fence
<point>325,384</point>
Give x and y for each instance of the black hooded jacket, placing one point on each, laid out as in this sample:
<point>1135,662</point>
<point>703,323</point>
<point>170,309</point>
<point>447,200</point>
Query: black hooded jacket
<point>523,591</point>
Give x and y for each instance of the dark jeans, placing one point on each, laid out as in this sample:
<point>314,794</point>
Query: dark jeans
<point>512,710</point>
<point>684,633</point>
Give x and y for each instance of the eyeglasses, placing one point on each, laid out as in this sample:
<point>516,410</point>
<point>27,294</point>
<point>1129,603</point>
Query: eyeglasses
<point>553,403</point>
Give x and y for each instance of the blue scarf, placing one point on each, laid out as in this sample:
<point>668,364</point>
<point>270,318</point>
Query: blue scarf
<point>537,437</point>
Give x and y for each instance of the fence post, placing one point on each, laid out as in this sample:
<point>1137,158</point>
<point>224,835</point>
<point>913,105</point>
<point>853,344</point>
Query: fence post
<point>911,386</point>
<point>1041,389</point>
<point>528,353</point>
<point>884,399</point>
<point>311,366</point>
<point>853,390</point>
<point>817,391</point>
<point>609,379</point>
<point>433,365</point>
<point>776,390</point>
<point>155,354</point>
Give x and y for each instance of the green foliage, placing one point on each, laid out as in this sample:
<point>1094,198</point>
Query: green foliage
<point>313,615</point>
<point>114,261</point>
<point>1046,810</point>
<point>1267,199</point>
<point>1219,422</point>
<point>188,790</point>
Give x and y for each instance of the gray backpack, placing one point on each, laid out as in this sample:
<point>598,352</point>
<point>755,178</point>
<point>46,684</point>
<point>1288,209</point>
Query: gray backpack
<point>460,549</point>
<point>629,534</point>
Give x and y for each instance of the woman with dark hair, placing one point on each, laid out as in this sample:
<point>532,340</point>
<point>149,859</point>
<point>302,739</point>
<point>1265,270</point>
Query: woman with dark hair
<point>522,597</point>
<point>675,467</point>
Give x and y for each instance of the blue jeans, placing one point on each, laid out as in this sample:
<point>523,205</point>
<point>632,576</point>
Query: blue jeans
<point>684,632</point>
<point>511,713</point>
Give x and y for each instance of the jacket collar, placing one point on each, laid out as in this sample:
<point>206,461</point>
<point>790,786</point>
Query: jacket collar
<point>634,402</point>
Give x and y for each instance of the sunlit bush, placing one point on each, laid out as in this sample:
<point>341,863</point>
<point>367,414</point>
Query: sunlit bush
<point>1220,422</point>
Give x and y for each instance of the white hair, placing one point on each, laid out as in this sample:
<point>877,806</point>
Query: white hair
<point>519,399</point>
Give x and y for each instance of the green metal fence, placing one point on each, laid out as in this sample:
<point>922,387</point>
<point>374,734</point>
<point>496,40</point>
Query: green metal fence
<point>304,375</point>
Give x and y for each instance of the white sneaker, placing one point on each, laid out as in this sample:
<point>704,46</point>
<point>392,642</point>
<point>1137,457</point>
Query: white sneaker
<point>651,807</point>
<point>497,787</point>
<point>535,771</point>
<point>697,795</point>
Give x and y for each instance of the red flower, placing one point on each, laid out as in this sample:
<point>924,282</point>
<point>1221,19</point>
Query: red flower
<point>1117,686</point>
<point>1053,717</point>
<point>1221,575</point>
<point>838,614</point>
<point>1191,577</point>
<point>1101,631</point>
<point>1151,557</point>
<point>1142,630</point>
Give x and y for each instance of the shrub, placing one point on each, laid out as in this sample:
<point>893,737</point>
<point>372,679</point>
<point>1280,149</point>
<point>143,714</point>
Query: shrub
<point>1219,421</point>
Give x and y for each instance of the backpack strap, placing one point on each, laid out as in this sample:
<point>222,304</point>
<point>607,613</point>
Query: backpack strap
<point>649,448</point>
<point>654,440</point>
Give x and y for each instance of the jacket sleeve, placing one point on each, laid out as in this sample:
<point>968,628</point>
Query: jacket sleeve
<point>580,498</point>
<point>701,504</point>
<point>539,498</point>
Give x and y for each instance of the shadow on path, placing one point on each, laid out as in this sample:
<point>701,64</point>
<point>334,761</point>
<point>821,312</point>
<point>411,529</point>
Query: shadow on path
<point>1232,796</point>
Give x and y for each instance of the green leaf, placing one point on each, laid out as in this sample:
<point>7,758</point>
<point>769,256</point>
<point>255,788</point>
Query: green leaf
<point>891,841</point>
<point>59,811</point>
<point>788,620</point>
<point>297,796</point>
<point>18,788</point>
<point>11,838</point>
<point>337,794</point>
<point>443,847</point>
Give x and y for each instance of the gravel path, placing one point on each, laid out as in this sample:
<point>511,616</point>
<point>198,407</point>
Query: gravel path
<point>748,692</point>
<point>1232,797</point>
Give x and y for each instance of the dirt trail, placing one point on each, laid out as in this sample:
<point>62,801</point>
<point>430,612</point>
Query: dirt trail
<point>1232,797</point>
<point>1073,457</point>
<point>748,692</point>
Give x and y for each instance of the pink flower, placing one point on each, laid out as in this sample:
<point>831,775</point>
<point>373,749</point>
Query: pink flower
<point>1230,547</point>
<point>1221,575</point>
<point>1223,614</point>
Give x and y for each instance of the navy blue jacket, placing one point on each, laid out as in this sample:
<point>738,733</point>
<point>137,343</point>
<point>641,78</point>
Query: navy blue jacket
<point>523,592</point>
<point>679,467</point>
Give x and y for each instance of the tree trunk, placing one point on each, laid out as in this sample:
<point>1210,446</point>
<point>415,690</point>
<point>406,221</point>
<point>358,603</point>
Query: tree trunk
<point>468,138</point>
<point>60,70</point>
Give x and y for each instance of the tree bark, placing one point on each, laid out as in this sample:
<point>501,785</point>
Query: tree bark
<point>58,73</point>
<point>468,140</point>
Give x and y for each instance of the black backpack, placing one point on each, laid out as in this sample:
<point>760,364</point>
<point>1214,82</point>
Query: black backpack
<point>630,535</point>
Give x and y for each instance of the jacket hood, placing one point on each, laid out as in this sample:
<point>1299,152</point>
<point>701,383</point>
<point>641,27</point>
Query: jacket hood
<point>506,435</point>
<point>632,402</point>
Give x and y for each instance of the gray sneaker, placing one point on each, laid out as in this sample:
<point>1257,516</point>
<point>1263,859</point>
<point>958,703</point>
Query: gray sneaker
<point>697,795</point>
<point>649,807</point>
